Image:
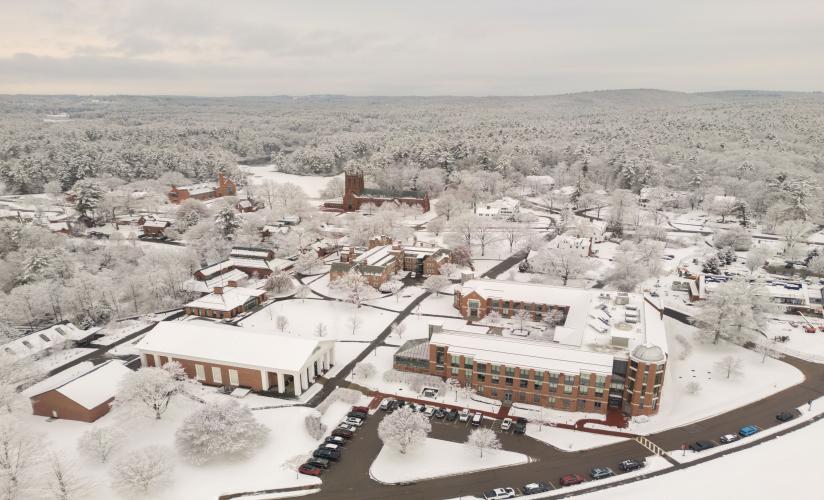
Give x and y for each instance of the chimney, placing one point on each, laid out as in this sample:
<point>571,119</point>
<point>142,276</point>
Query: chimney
<point>218,290</point>
<point>435,327</point>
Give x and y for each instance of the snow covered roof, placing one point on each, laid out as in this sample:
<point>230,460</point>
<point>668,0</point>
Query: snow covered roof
<point>208,285</point>
<point>156,223</point>
<point>90,388</point>
<point>503,205</point>
<point>258,253</point>
<point>230,345</point>
<point>201,188</point>
<point>37,342</point>
<point>377,256</point>
<point>231,298</point>
<point>508,351</point>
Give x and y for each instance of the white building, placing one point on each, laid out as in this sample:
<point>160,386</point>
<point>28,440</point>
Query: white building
<point>505,208</point>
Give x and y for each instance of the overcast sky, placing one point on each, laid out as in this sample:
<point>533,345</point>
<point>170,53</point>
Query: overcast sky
<point>421,47</point>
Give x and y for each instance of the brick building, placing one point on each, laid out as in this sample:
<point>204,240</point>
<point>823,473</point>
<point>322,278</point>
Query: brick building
<point>222,355</point>
<point>83,393</point>
<point>600,350</point>
<point>380,260</point>
<point>226,302</point>
<point>204,190</point>
<point>355,196</point>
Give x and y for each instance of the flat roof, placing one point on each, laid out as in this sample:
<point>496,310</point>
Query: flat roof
<point>230,345</point>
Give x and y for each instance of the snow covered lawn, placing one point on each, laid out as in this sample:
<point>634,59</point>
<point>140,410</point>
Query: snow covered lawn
<point>437,458</point>
<point>809,346</point>
<point>569,440</point>
<point>312,185</point>
<point>60,358</point>
<point>439,304</point>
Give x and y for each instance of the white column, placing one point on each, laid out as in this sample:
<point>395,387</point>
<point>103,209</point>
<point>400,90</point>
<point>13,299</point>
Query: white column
<point>264,380</point>
<point>143,360</point>
<point>281,383</point>
<point>298,382</point>
<point>310,375</point>
<point>156,360</point>
<point>304,379</point>
<point>325,360</point>
<point>332,355</point>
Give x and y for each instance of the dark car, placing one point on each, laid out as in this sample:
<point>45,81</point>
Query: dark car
<point>310,470</point>
<point>571,479</point>
<point>439,413</point>
<point>452,415</point>
<point>601,473</point>
<point>631,464</point>
<point>322,463</point>
<point>333,455</point>
<point>357,414</point>
<point>533,488</point>
<point>519,427</point>
<point>393,405</point>
<point>340,441</point>
<point>702,445</point>
<point>784,416</point>
<point>343,433</point>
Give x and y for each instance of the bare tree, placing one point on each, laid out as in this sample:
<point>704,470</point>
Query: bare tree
<point>314,425</point>
<point>100,442</point>
<point>65,481</point>
<point>436,283</point>
<point>354,322</point>
<point>730,366</point>
<point>354,287</point>
<point>152,388</point>
<point>564,263</point>
<point>398,329</point>
<point>483,439</point>
<point>281,322</point>
<point>20,452</point>
<point>365,370</point>
<point>143,471</point>
<point>693,387</point>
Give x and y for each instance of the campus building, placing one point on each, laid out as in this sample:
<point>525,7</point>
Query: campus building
<point>204,190</point>
<point>234,357</point>
<point>591,351</point>
<point>381,259</point>
<point>505,208</point>
<point>355,196</point>
<point>226,302</point>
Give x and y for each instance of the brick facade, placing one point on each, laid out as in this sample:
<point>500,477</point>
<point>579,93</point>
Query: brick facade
<point>506,308</point>
<point>246,377</point>
<point>224,187</point>
<point>55,404</point>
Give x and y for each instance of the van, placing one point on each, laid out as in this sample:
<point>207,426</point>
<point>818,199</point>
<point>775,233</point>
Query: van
<point>477,419</point>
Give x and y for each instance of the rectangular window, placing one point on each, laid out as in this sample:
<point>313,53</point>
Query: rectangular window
<point>481,390</point>
<point>200,372</point>
<point>565,404</point>
<point>481,377</point>
<point>583,390</point>
<point>455,371</point>
<point>480,367</point>
<point>597,404</point>
<point>508,380</point>
<point>551,401</point>
<point>600,381</point>
<point>553,387</point>
<point>510,372</point>
<point>493,392</point>
<point>233,378</point>
<point>536,398</point>
<point>537,386</point>
<point>496,380</point>
<point>553,377</point>
<point>659,377</point>
<point>539,375</point>
<point>496,369</point>
<point>455,361</point>
<point>216,376</point>
<point>585,379</point>
<point>599,393</point>
<point>523,383</point>
<point>522,396</point>
<point>567,389</point>
<point>468,363</point>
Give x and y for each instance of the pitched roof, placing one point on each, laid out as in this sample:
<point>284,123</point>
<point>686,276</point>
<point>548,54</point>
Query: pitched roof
<point>89,388</point>
<point>231,298</point>
<point>389,194</point>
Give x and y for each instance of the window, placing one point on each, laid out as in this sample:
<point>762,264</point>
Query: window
<point>481,390</point>
<point>537,386</point>
<point>456,361</point>
<point>200,372</point>
<point>28,344</point>
<point>496,379</point>
<point>233,378</point>
<point>585,379</point>
<point>468,362</point>
<point>600,381</point>
<point>582,405</point>
<point>553,387</point>
<point>536,398</point>
<point>455,372</point>
<point>565,404</point>
<point>567,389</point>
<point>493,392</point>
<point>481,377</point>
<point>522,396</point>
<point>599,393</point>
<point>597,404</point>
<point>496,369</point>
<point>523,383</point>
<point>658,377</point>
<point>583,390</point>
<point>510,371</point>
<point>553,377</point>
<point>43,336</point>
<point>539,375</point>
<point>216,375</point>
<point>508,381</point>
<point>480,367</point>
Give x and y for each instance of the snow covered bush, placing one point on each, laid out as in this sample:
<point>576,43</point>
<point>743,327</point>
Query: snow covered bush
<point>151,388</point>
<point>280,282</point>
<point>483,439</point>
<point>348,396</point>
<point>686,347</point>
<point>314,426</point>
<point>218,430</point>
<point>436,283</point>
<point>404,429</point>
<point>365,370</point>
<point>736,237</point>
<point>693,387</point>
<point>21,453</point>
<point>142,471</point>
<point>65,480</point>
<point>99,443</point>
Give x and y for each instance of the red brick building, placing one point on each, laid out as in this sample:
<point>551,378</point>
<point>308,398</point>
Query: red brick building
<point>355,196</point>
<point>203,191</point>
<point>226,302</point>
<point>380,260</point>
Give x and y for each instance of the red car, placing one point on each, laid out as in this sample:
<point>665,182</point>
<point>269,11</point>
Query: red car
<point>571,479</point>
<point>361,409</point>
<point>343,433</point>
<point>309,470</point>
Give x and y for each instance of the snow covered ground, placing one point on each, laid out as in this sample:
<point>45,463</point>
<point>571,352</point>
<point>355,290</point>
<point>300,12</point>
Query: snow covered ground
<point>786,467</point>
<point>809,346</point>
<point>570,440</point>
<point>60,358</point>
<point>312,185</point>
<point>438,458</point>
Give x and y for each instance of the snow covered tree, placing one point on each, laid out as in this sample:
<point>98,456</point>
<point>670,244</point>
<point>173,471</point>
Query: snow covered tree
<point>354,288</point>
<point>816,265</point>
<point>461,256</point>
<point>730,366</point>
<point>404,429</point>
<point>65,481</point>
<point>307,263</point>
<point>483,439</point>
<point>227,222</point>
<point>768,350</point>
<point>757,258</point>
<point>793,232</point>
<point>314,425</point>
<point>143,471</point>
<point>220,430</point>
<point>436,225</point>
<point>513,233</point>
<point>354,322</point>
<point>398,329</point>
<point>365,370</point>
<point>20,453</point>
<point>99,443</point>
<point>152,388</point>
<point>281,322</point>
<point>711,265</point>
<point>391,286</point>
<point>321,330</point>
<point>735,311</point>
<point>736,237</point>
<point>280,282</point>
<point>88,196</point>
<point>563,263</point>
<point>693,387</point>
<point>448,205</point>
<point>436,283</point>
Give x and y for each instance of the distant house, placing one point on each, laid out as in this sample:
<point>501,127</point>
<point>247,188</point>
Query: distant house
<point>222,355</point>
<point>537,184</point>
<point>505,208</point>
<point>203,191</point>
<point>226,302</point>
<point>155,228</point>
<point>43,342</point>
<point>247,205</point>
<point>250,260</point>
<point>380,260</point>
<point>83,393</point>
<point>355,196</point>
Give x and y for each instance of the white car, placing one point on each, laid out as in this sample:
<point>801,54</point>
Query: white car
<point>330,446</point>
<point>506,424</point>
<point>346,427</point>
<point>385,402</point>
<point>499,494</point>
<point>353,421</point>
<point>430,410</point>
<point>464,415</point>
<point>477,418</point>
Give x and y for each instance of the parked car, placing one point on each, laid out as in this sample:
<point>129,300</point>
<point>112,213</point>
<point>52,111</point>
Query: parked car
<point>357,422</point>
<point>360,409</point>
<point>728,438</point>
<point>571,479</point>
<point>601,473</point>
<point>393,405</point>
<point>631,464</point>
<point>333,455</point>
<point>310,470</point>
<point>464,415</point>
<point>506,424</point>
<point>452,415</point>
<point>702,445</point>
<point>385,403</point>
<point>477,418</point>
<point>439,413</point>
<point>747,430</point>
<point>533,488</point>
<point>329,446</point>
<point>785,416</point>
<point>357,414</point>
<point>499,494</point>
<point>519,427</point>
<point>429,411</point>
<point>347,427</point>
<point>344,433</point>
<point>323,463</point>
<point>335,440</point>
